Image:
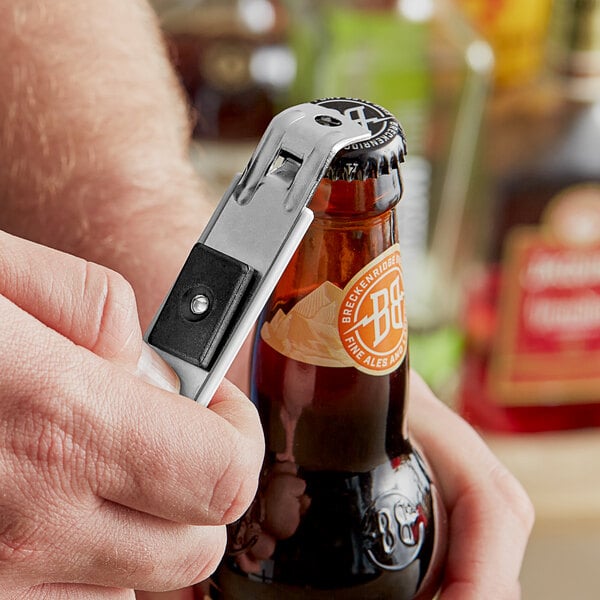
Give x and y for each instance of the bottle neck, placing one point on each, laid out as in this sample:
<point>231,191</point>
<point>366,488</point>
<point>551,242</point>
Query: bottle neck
<point>354,222</point>
<point>346,202</point>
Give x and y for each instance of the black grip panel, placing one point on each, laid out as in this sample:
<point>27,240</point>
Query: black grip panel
<point>196,338</point>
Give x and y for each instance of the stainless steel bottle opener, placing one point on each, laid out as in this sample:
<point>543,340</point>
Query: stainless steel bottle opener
<point>241,254</point>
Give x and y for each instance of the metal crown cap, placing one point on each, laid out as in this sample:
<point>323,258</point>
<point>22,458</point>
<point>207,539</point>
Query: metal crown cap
<point>381,154</point>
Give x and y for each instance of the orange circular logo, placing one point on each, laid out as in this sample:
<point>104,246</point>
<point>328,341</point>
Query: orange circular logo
<point>372,315</point>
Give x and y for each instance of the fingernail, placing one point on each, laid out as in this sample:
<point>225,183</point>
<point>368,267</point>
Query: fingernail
<point>154,370</point>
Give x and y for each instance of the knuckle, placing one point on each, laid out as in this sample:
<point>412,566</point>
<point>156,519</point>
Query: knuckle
<point>204,560</point>
<point>135,567</point>
<point>195,558</point>
<point>51,447</point>
<point>112,312</point>
<point>524,510</point>
<point>513,497</point>
<point>16,538</point>
<point>46,450</point>
<point>40,438</point>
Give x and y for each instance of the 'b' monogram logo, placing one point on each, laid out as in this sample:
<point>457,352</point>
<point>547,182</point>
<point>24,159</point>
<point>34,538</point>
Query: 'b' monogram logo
<point>387,311</point>
<point>372,318</point>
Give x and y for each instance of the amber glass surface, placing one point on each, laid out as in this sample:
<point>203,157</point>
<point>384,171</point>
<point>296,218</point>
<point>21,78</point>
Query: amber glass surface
<point>342,407</point>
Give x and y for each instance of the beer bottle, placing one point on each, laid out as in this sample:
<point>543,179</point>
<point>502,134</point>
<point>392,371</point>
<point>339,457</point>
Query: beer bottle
<point>532,312</point>
<point>235,64</point>
<point>345,507</point>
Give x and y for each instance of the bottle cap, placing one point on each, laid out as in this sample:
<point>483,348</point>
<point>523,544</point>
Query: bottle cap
<point>381,154</point>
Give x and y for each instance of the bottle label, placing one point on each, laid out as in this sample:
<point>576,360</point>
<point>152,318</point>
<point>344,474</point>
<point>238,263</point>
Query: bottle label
<point>372,318</point>
<point>362,326</point>
<point>547,348</point>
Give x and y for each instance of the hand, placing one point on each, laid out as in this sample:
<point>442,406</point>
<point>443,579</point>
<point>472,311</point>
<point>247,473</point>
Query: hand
<point>107,483</point>
<point>490,516</point>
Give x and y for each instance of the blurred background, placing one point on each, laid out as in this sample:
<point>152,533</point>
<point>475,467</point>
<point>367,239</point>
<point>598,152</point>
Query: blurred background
<point>500,218</point>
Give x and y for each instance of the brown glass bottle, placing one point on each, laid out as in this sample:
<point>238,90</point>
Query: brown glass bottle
<point>532,317</point>
<point>233,60</point>
<point>236,66</point>
<point>345,507</point>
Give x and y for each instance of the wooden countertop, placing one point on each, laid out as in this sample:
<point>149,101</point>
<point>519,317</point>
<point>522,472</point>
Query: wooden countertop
<point>560,471</point>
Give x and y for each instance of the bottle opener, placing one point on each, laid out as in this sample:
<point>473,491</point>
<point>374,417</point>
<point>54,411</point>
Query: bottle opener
<point>245,247</point>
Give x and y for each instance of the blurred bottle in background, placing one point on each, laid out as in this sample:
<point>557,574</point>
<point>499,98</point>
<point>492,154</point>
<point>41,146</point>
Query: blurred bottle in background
<point>532,317</point>
<point>421,60</point>
<point>236,65</point>
<point>517,32</point>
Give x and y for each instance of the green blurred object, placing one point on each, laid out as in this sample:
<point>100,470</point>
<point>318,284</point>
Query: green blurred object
<point>436,356</point>
<point>378,54</point>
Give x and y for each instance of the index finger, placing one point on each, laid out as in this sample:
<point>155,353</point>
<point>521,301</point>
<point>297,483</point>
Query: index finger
<point>142,447</point>
<point>181,461</point>
<point>490,515</point>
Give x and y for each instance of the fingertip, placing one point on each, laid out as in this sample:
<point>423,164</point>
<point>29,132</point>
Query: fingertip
<point>228,392</point>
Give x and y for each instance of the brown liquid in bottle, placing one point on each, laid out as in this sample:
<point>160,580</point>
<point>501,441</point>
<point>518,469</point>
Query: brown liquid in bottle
<point>345,508</point>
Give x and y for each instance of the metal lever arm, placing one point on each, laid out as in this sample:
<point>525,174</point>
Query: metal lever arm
<point>241,254</point>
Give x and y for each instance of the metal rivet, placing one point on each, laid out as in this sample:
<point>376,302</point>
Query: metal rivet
<point>328,120</point>
<point>199,304</point>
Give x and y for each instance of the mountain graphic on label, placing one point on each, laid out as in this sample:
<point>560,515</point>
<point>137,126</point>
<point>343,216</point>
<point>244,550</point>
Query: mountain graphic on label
<point>309,332</point>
